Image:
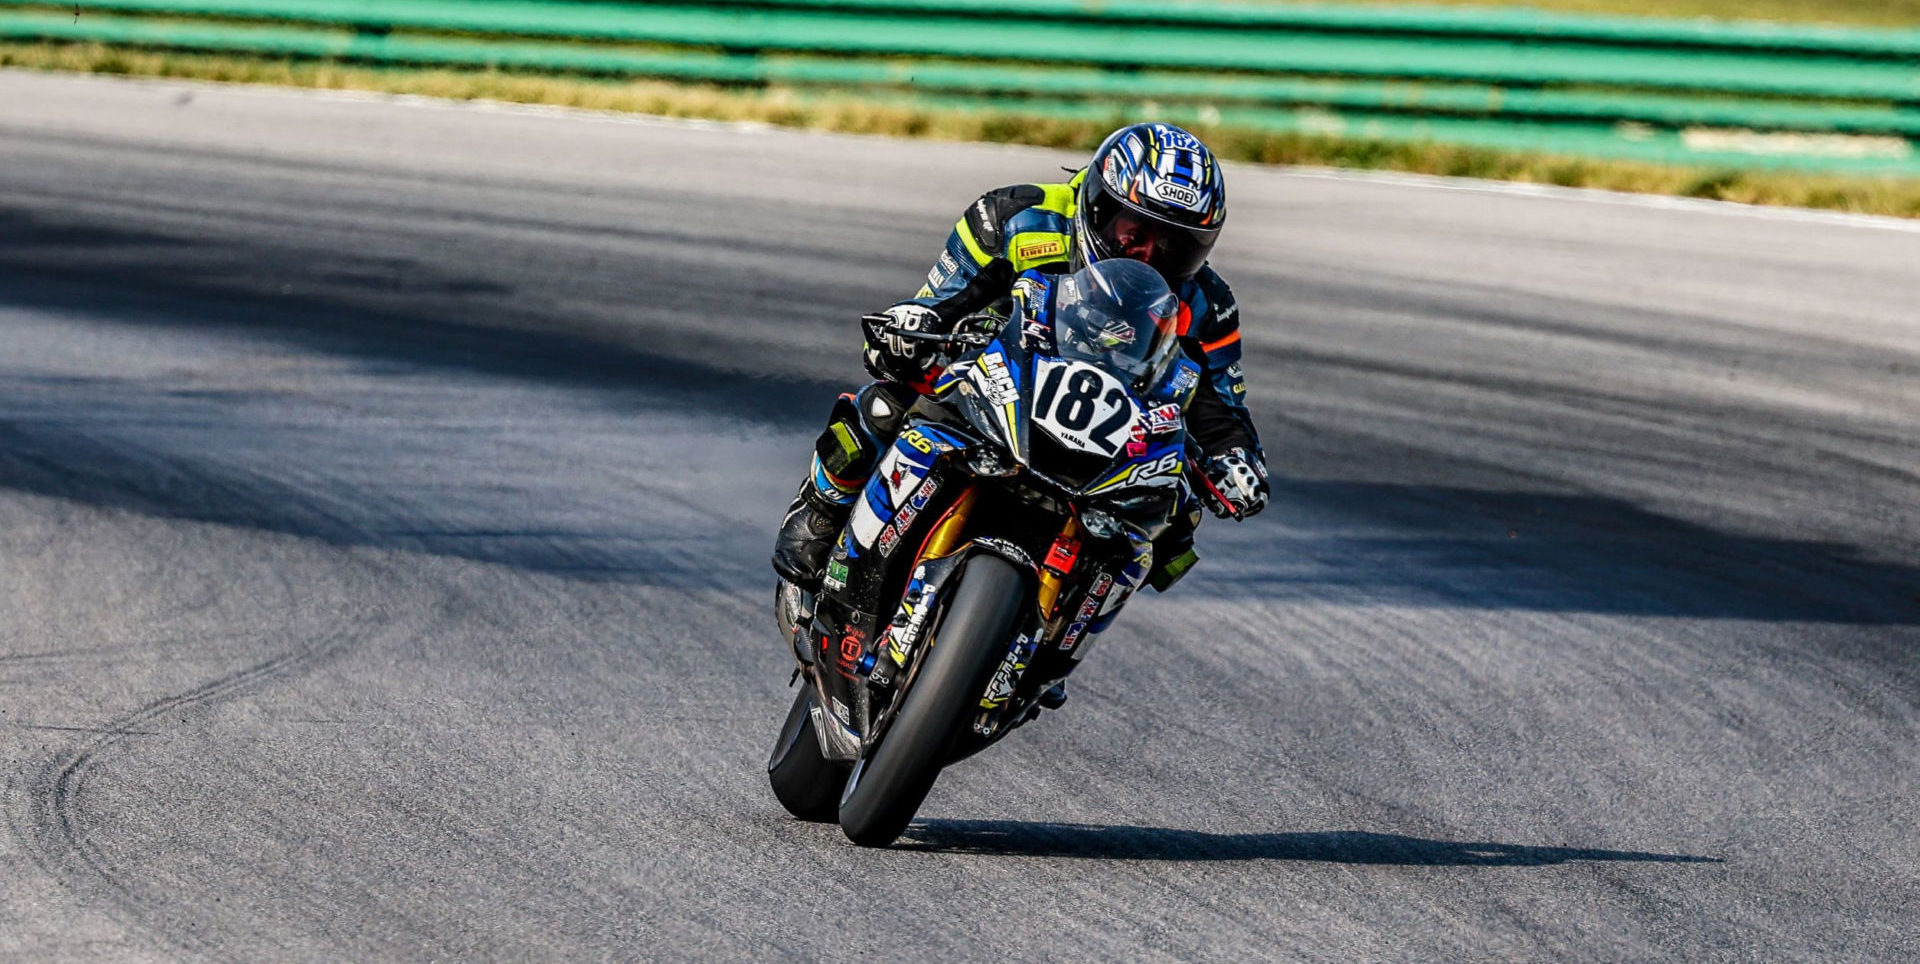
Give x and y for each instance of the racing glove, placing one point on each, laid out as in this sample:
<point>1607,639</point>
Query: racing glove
<point>895,358</point>
<point>1237,484</point>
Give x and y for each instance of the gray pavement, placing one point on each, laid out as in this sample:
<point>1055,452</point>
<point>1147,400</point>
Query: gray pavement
<point>385,489</point>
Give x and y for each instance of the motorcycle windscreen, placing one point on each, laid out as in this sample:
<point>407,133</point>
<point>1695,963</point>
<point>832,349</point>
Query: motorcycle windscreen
<point>1119,317</point>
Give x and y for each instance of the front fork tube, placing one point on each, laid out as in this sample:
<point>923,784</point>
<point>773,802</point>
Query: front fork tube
<point>1088,610</point>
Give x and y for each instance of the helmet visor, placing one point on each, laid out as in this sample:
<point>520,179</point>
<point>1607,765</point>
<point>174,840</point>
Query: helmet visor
<point>1117,314</point>
<point>1119,230</point>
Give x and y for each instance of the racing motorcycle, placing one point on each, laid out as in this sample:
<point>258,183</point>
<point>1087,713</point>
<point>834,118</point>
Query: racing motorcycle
<point>1013,516</point>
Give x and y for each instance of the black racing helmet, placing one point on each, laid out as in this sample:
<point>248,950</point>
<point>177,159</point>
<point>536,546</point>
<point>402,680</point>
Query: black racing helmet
<point>1154,193</point>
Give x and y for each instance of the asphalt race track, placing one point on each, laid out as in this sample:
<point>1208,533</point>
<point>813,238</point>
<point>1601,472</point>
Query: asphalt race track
<point>385,491</point>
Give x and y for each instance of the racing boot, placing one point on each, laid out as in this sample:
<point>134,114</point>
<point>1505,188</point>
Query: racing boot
<point>862,425</point>
<point>806,538</point>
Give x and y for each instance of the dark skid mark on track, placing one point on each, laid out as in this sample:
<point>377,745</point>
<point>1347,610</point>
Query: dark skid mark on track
<point>1021,839</point>
<point>1776,772</point>
<point>52,828</point>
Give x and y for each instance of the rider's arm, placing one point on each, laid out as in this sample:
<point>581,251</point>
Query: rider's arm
<point>975,270</point>
<point>1218,415</point>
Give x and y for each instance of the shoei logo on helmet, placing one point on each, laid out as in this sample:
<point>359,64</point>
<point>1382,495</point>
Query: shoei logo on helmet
<point>1179,194</point>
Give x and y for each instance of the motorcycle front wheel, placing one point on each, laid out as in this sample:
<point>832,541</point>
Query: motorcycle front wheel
<point>888,785</point>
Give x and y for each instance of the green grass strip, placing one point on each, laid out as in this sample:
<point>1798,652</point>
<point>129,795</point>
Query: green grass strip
<point>1366,54</point>
<point>1658,129</point>
<point>864,113</point>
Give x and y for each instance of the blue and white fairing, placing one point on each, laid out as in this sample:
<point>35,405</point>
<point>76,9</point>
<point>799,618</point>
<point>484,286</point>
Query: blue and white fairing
<point>898,491</point>
<point>1103,430</point>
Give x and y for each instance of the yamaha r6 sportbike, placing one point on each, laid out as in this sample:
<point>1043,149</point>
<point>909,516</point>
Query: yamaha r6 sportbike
<point>1013,516</point>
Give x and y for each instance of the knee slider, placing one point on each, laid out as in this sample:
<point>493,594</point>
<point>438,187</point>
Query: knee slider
<point>860,428</point>
<point>847,450</point>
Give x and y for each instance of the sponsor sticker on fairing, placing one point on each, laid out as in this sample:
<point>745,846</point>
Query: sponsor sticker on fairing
<point>1008,675</point>
<point>853,647</point>
<point>1072,639</point>
<point>903,520</point>
<point>899,473</point>
<point>1037,336</point>
<point>1185,381</point>
<point>1162,420</point>
<point>997,379</point>
<point>1089,608</point>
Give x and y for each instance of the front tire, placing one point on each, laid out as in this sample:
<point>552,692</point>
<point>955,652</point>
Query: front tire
<point>805,782</point>
<point>888,786</point>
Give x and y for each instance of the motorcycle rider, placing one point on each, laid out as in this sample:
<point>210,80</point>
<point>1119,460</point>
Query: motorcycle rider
<point>1152,192</point>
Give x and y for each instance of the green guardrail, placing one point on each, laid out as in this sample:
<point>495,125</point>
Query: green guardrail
<point>1750,95</point>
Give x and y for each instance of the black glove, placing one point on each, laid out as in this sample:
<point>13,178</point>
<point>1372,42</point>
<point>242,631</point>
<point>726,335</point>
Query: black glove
<point>897,359</point>
<point>1237,484</point>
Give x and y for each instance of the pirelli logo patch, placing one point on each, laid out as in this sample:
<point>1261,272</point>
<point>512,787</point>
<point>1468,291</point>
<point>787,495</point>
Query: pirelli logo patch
<point>1035,250</point>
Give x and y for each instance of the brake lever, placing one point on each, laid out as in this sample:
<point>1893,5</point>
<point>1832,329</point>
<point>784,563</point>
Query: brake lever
<point>1198,470</point>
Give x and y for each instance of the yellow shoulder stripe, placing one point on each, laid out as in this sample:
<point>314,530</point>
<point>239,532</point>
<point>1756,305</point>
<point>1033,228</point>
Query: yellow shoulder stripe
<point>980,255</point>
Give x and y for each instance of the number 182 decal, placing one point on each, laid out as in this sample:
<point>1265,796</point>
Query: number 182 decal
<point>1082,407</point>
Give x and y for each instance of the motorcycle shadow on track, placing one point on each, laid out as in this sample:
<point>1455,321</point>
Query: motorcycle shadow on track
<point>1014,838</point>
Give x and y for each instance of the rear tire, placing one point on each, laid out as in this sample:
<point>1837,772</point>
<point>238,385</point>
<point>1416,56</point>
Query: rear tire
<point>887,788</point>
<point>805,782</point>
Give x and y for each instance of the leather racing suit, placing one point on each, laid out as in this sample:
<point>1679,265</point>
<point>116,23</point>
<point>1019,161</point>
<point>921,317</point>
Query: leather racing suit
<point>1002,234</point>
